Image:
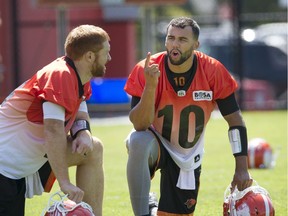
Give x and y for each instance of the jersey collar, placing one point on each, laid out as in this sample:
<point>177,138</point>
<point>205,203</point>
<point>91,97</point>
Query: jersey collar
<point>80,86</point>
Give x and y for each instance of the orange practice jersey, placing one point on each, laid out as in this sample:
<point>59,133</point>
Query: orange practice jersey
<point>181,117</point>
<point>21,116</point>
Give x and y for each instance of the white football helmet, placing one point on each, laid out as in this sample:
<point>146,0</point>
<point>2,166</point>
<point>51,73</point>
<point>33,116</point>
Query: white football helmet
<point>260,154</point>
<point>60,205</point>
<point>253,201</point>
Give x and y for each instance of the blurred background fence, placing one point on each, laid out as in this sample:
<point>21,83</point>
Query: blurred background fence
<point>249,37</point>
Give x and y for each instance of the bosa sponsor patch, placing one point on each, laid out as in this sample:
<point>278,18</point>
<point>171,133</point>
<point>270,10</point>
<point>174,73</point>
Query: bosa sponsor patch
<point>202,95</point>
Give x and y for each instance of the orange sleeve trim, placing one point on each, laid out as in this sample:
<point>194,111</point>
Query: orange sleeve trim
<point>50,181</point>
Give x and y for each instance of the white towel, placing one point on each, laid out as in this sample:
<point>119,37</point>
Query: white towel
<point>186,180</point>
<point>186,163</point>
<point>33,185</point>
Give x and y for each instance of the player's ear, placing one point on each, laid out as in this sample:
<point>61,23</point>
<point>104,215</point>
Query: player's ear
<point>196,45</point>
<point>90,56</point>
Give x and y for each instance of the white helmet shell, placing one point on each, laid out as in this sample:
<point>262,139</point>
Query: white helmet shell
<point>260,154</point>
<point>253,201</point>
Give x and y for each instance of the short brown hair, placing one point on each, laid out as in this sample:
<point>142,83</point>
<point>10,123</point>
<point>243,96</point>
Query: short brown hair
<point>84,38</point>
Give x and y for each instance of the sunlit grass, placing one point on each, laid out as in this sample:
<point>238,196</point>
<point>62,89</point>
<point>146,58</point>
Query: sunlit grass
<point>217,169</point>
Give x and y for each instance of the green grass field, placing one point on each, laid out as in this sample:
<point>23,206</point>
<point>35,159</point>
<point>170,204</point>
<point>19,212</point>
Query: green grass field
<point>217,169</point>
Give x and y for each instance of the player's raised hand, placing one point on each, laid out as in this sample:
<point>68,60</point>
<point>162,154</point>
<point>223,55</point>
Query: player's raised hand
<point>151,72</point>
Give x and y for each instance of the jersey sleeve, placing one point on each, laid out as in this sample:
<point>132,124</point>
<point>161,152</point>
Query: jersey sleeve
<point>136,81</point>
<point>59,87</point>
<point>222,82</point>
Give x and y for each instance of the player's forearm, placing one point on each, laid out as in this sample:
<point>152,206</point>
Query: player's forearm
<point>235,119</point>
<point>56,148</point>
<point>142,115</point>
<point>83,115</point>
<point>241,177</point>
<point>241,164</point>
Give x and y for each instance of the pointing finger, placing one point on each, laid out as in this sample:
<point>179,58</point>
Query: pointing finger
<point>147,60</point>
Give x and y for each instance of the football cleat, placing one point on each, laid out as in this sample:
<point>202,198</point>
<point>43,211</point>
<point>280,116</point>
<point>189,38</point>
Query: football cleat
<point>59,205</point>
<point>253,201</point>
<point>260,154</point>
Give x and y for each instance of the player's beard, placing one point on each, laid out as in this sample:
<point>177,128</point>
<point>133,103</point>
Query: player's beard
<point>183,56</point>
<point>98,70</point>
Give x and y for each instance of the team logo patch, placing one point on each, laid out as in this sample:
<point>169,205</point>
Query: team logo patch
<point>181,93</point>
<point>202,95</point>
<point>190,203</point>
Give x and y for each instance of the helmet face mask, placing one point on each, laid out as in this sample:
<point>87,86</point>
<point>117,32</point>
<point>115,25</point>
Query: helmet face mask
<point>59,205</point>
<point>253,201</point>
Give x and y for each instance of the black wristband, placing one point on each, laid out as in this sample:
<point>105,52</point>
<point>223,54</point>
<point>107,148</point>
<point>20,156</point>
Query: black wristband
<point>238,140</point>
<point>79,125</point>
